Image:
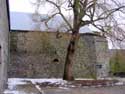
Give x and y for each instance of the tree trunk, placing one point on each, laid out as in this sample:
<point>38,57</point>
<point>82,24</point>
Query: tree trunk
<point>68,74</point>
<point>4,45</point>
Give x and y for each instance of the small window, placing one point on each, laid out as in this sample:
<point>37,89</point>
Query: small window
<point>99,66</point>
<point>56,60</point>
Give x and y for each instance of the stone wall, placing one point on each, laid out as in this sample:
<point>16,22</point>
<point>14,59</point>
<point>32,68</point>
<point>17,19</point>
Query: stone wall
<point>102,57</point>
<point>117,61</point>
<point>4,47</point>
<point>42,54</point>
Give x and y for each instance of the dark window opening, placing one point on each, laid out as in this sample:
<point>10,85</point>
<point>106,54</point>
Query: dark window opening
<point>56,60</point>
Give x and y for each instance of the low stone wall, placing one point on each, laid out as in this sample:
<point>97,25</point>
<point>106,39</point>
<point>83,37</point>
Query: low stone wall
<point>117,61</point>
<point>42,54</point>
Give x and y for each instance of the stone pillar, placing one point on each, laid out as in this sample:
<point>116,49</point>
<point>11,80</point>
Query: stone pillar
<point>4,45</point>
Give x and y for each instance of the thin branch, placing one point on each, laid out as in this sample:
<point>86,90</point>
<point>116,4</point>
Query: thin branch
<point>59,9</point>
<point>101,28</point>
<point>101,18</point>
<point>111,12</point>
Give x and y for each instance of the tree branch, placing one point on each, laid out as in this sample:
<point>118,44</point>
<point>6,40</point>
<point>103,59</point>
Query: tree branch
<point>59,9</point>
<point>101,18</point>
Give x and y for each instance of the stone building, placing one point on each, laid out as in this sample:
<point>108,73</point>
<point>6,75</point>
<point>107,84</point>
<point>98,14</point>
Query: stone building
<point>42,54</point>
<point>4,45</point>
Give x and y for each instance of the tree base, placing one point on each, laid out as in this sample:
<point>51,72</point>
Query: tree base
<point>68,78</point>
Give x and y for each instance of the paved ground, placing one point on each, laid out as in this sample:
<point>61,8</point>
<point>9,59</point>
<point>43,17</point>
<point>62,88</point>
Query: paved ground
<point>31,88</point>
<point>91,90</point>
<point>104,90</point>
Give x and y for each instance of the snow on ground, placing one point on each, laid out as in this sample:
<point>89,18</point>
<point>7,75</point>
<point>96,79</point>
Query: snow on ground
<point>13,82</point>
<point>11,92</point>
<point>119,83</point>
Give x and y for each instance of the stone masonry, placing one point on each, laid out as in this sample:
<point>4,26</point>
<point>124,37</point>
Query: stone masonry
<point>42,54</point>
<point>4,47</point>
<point>102,57</point>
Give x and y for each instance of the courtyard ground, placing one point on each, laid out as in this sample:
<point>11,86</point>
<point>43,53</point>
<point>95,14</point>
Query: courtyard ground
<point>38,86</point>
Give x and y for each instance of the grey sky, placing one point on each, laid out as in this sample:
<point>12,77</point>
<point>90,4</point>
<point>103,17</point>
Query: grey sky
<point>26,6</point>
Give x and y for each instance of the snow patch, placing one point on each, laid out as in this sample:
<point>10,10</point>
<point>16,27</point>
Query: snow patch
<point>64,88</point>
<point>21,81</point>
<point>84,79</point>
<point>54,80</point>
<point>13,92</point>
<point>119,83</point>
<point>13,82</point>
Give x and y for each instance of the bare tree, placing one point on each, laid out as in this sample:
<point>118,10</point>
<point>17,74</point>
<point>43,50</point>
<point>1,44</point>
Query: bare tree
<point>96,13</point>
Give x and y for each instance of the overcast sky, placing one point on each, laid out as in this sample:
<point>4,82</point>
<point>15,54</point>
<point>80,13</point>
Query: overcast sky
<point>21,6</point>
<point>26,6</point>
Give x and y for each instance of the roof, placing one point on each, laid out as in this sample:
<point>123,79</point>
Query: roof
<point>25,22</point>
